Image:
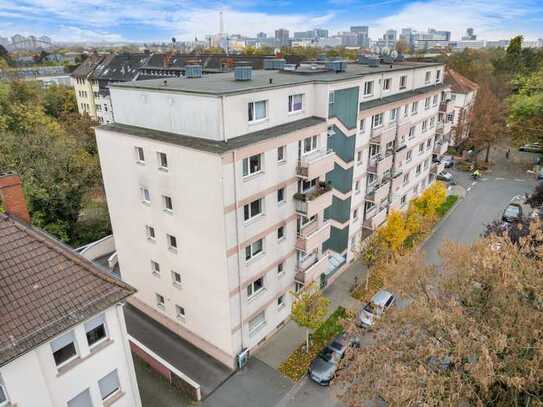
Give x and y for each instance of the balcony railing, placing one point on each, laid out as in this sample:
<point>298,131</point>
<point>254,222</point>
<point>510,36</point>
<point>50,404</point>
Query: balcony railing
<point>313,236</point>
<point>377,192</point>
<point>315,164</point>
<point>375,218</point>
<point>314,201</point>
<point>309,274</point>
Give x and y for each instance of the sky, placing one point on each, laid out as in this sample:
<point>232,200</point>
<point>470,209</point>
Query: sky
<point>160,20</point>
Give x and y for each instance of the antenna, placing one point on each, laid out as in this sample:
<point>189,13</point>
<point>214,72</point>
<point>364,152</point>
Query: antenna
<point>221,23</point>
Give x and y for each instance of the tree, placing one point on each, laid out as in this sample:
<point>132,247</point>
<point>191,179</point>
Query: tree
<point>488,124</point>
<point>59,99</point>
<point>535,200</point>
<point>471,335</point>
<point>430,200</point>
<point>309,309</point>
<point>402,46</point>
<point>394,232</point>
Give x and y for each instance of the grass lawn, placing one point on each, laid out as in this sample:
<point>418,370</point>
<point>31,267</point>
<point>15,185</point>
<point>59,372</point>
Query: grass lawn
<point>296,365</point>
<point>447,205</point>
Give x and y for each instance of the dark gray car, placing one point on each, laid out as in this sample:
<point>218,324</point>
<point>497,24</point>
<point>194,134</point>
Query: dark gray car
<point>323,368</point>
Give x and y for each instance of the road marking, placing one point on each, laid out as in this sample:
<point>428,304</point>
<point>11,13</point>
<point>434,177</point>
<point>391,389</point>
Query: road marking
<point>500,179</point>
<point>473,183</point>
<point>519,180</point>
<point>484,179</point>
<point>469,189</point>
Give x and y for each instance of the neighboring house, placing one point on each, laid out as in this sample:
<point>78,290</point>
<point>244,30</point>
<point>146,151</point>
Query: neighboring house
<point>86,88</point>
<point>462,99</point>
<point>63,340</point>
<point>229,191</point>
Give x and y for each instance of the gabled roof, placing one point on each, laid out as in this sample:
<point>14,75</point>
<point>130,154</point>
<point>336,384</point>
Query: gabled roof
<point>119,68</point>
<point>459,83</point>
<point>46,288</point>
<point>88,65</point>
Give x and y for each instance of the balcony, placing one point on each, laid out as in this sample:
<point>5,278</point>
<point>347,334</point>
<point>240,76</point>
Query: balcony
<point>376,193</point>
<point>441,147</point>
<point>375,218</point>
<point>383,135</point>
<point>436,168</point>
<point>446,106</point>
<point>397,181</point>
<point>380,163</point>
<point>313,236</point>
<point>306,275</point>
<point>315,164</point>
<point>314,201</point>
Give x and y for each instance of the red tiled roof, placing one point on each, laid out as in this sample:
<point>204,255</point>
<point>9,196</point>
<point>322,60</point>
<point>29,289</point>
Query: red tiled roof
<point>459,83</point>
<point>46,288</point>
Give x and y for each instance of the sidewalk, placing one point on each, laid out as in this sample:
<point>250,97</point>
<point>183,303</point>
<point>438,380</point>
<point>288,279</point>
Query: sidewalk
<point>277,348</point>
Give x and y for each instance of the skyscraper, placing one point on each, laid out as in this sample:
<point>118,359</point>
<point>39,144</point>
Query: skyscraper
<point>282,36</point>
<point>363,35</point>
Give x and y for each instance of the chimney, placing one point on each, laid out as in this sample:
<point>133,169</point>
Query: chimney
<point>13,199</point>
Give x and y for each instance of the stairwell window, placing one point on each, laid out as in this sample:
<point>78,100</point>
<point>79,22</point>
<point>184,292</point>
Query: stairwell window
<point>414,108</point>
<point>167,203</point>
<point>176,279</point>
<point>362,125</point>
<point>162,161</point>
<point>160,302</point>
<point>411,133</point>
<point>155,268</point>
<point>280,269</point>
<point>281,196</point>
<point>252,209</point>
<point>281,233</point>
<point>368,88</point>
<point>386,84</point>
<point>377,120</point>
<point>355,214</point>
<point>150,232</point>
<point>295,103</point>
<point>258,111</point>
<point>255,287</point>
<point>145,195</point>
<point>172,242</point>
<point>254,249</point>
<point>140,155</point>
<point>280,302</point>
<point>403,81</point>
<point>281,154</point>
<point>409,156</point>
<point>252,165</point>
<point>180,312</point>
<point>428,77</point>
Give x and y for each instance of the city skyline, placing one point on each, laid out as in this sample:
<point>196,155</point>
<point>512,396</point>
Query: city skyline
<point>159,21</point>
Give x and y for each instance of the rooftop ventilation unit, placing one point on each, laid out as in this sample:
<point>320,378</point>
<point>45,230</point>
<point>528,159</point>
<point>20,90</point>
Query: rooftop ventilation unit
<point>400,58</point>
<point>274,63</point>
<point>243,72</point>
<point>387,59</point>
<point>193,71</point>
<point>336,66</point>
<point>373,62</point>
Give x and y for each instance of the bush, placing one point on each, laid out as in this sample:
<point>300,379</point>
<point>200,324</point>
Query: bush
<point>447,205</point>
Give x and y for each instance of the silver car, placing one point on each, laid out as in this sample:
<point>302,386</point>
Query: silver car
<point>375,308</point>
<point>323,368</point>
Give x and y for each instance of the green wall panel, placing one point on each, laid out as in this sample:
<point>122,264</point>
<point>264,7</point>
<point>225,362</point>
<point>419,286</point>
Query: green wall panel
<point>345,106</point>
<point>342,145</point>
<point>341,179</point>
<point>339,210</point>
<point>339,240</point>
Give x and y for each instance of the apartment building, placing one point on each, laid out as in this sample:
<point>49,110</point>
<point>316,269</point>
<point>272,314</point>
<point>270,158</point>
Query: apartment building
<point>228,192</point>
<point>63,340</point>
<point>461,99</point>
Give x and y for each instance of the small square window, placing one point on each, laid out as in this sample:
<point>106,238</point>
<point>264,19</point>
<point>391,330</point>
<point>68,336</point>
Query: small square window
<point>64,349</point>
<point>155,268</point>
<point>180,312</point>
<point>252,210</point>
<point>95,330</point>
<point>172,242</point>
<point>403,82</point>
<point>83,399</point>
<point>162,161</point>
<point>280,301</point>
<point>150,232</point>
<point>160,302</point>
<point>280,268</point>
<point>295,103</point>
<point>252,165</point>
<point>281,195</point>
<point>176,278</point>
<point>258,110</point>
<point>145,195</point>
<point>403,200</point>
<point>281,154</point>
<point>167,202</point>
<point>355,214</point>
<point>255,287</point>
<point>109,385</point>
<point>254,249</point>
<point>280,232</point>
<point>140,155</point>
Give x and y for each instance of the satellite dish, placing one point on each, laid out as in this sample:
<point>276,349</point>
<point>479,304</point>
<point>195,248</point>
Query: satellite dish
<point>394,54</point>
<point>385,51</point>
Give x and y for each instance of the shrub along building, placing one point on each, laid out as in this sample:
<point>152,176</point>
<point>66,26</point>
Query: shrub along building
<point>228,191</point>
<point>63,340</point>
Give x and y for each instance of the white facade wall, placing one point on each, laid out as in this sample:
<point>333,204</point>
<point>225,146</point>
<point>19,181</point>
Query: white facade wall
<point>34,380</point>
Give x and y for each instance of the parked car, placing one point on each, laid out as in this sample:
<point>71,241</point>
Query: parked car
<point>540,174</point>
<point>375,308</point>
<point>532,148</point>
<point>512,213</point>
<point>323,368</point>
<point>445,176</point>
<point>448,160</point>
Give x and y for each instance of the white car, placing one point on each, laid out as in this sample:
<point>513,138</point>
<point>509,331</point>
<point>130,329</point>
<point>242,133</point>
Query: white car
<point>445,176</point>
<point>448,160</point>
<point>375,308</point>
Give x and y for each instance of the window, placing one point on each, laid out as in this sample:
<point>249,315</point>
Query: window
<point>109,385</point>
<point>403,81</point>
<point>180,312</point>
<point>453,96</point>
<point>176,278</point>
<point>310,144</point>
<point>83,399</point>
<point>105,108</point>
<point>428,77</point>
<point>357,187</point>
<point>150,232</point>
<point>411,133</point>
<point>331,97</point>
<point>438,75</point>
<point>172,242</point>
<point>427,103</point>
<point>374,149</point>
<point>414,107</point>
<point>425,125</point>
<point>362,125</point>
<point>280,232</point>
<point>393,114</point>
<point>281,195</point>
<point>368,88</point>
<point>280,268</point>
<point>432,122</point>
<point>409,156</point>
<point>252,210</point>
<point>435,99</point>
<point>254,249</point>
<point>377,120</point>
<point>162,161</point>
<point>429,143</point>
<point>155,268</point>
<point>167,203</point>
<point>257,322</point>
<point>281,154</point>
<point>96,330</point>
<point>280,301</point>
<point>450,117</point>
<point>159,301</point>
<point>255,287</point>
<point>421,147</point>
<point>418,170</point>
<point>403,200</point>
<point>252,165</point>
<point>355,214</point>
<point>145,195</point>
<point>405,110</point>
<point>426,163</point>
<point>140,155</point>
<point>359,157</point>
<point>295,103</point>
<point>405,178</point>
<point>257,111</point>
<point>386,83</point>
<point>64,349</point>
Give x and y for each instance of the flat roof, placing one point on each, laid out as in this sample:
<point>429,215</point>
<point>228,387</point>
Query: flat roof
<point>224,83</point>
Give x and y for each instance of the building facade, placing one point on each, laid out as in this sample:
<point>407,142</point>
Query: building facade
<point>63,340</point>
<point>225,195</point>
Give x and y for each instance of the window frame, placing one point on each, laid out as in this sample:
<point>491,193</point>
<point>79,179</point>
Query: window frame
<point>428,77</point>
<point>281,194</point>
<point>251,255</point>
<point>252,111</point>
<point>161,162</point>
<point>381,120</point>
<point>255,328</point>
<point>158,303</point>
<point>165,200</point>
<point>246,165</point>
<point>155,271</point>
<point>281,302</point>
<point>282,157</point>
<point>75,356</point>
<point>180,312</point>
<point>114,392</point>
<point>140,158</point>
<point>172,239</point>
<point>105,328</point>
<point>388,82</point>
<point>281,233</point>
<point>252,290</point>
<point>145,195</point>
<point>403,82</point>
<point>150,233</point>
<point>313,144</point>
<point>366,85</point>
<point>248,210</point>
<point>174,280</point>
<point>414,108</point>
<point>291,103</point>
